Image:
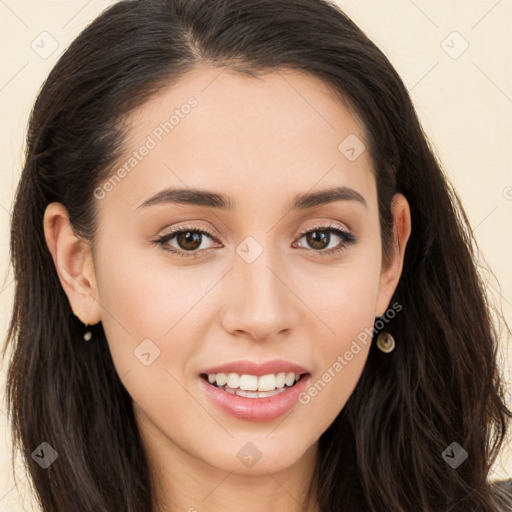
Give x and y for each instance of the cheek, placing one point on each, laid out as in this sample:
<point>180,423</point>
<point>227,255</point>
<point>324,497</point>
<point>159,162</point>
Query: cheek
<point>346,305</point>
<point>345,296</point>
<point>342,351</point>
<point>146,305</point>
<point>147,325</point>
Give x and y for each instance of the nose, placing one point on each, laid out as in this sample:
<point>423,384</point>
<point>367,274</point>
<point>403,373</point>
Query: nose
<point>261,303</point>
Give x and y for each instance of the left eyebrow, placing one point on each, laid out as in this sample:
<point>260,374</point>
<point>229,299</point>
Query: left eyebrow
<point>221,201</point>
<point>330,195</point>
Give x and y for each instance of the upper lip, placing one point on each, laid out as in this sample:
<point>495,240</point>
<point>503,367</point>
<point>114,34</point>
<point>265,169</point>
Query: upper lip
<point>258,369</point>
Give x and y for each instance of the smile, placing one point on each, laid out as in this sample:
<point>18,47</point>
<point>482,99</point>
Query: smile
<point>253,386</point>
<point>271,399</point>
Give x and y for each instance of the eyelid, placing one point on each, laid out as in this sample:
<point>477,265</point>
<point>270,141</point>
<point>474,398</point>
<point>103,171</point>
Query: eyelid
<point>189,227</point>
<point>325,225</point>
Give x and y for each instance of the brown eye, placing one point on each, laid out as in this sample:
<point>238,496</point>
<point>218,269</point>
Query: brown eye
<point>188,240</point>
<point>318,239</point>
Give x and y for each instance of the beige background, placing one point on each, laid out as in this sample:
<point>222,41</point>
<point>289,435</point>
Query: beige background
<point>464,99</point>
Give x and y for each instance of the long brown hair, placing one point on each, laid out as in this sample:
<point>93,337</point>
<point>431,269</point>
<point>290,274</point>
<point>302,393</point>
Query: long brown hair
<point>439,386</point>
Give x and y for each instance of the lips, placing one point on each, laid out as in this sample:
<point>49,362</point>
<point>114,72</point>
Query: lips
<point>258,369</point>
<point>255,405</point>
<point>256,409</point>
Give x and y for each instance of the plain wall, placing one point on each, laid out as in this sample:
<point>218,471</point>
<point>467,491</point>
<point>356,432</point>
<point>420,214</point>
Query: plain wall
<point>464,102</point>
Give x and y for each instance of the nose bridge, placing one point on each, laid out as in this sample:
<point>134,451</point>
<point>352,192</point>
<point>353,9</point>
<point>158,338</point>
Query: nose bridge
<point>261,304</point>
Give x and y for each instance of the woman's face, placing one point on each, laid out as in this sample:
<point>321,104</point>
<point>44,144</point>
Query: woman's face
<point>264,275</point>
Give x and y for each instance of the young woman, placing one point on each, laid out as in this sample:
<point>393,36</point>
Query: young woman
<point>278,283</point>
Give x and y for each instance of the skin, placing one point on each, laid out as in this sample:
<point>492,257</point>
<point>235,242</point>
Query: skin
<point>260,141</point>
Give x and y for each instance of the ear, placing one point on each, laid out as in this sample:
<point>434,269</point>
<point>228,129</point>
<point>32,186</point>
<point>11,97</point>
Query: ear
<point>74,264</point>
<point>390,275</point>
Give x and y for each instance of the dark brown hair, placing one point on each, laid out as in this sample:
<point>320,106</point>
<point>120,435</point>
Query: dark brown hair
<point>440,385</point>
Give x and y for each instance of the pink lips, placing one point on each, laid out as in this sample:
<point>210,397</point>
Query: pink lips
<point>256,409</point>
<point>258,369</point>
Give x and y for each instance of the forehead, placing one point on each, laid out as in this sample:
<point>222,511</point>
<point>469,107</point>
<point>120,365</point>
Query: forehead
<point>216,129</point>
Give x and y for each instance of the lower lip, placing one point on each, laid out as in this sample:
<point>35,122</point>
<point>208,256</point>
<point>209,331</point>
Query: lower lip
<point>256,409</point>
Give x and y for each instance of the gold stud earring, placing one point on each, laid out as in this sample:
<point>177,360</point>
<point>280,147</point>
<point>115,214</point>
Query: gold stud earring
<point>385,342</point>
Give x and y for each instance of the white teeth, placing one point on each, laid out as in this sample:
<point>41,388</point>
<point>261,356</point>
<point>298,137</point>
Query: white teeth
<point>233,380</point>
<point>290,379</point>
<point>264,394</point>
<point>255,394</point>
<point>246,382</point>
<point>280,380</point>
<point>221,379</point>
<point>267,382</point>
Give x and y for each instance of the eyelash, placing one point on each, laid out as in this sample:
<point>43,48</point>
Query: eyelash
<point>347,240</point>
